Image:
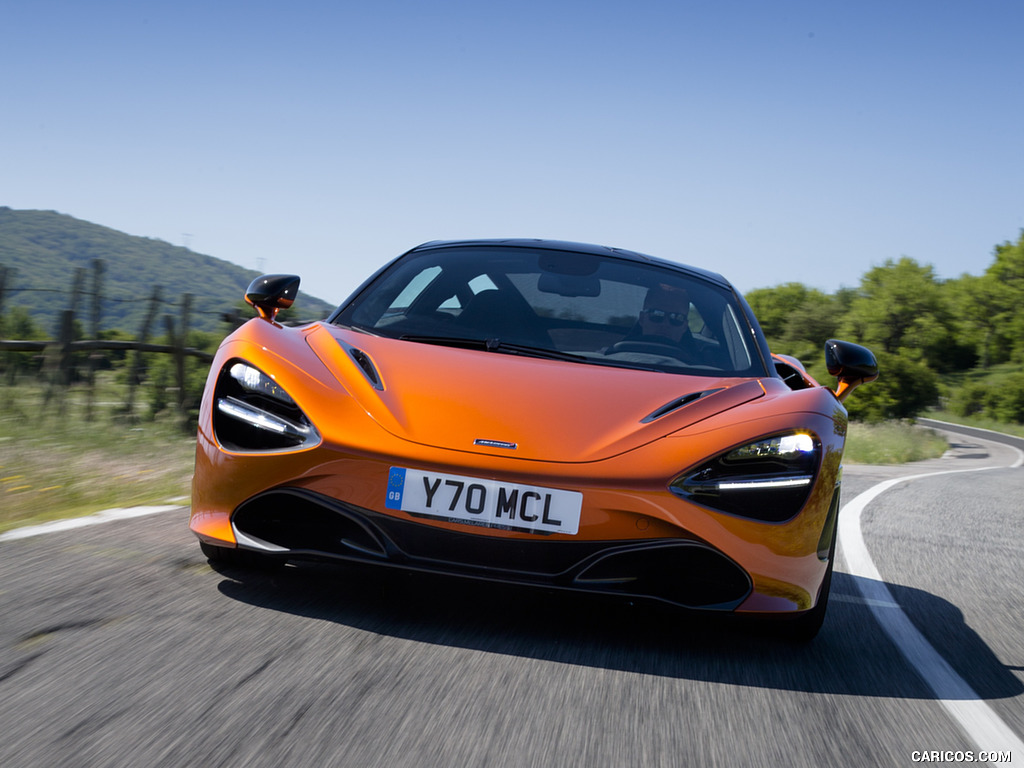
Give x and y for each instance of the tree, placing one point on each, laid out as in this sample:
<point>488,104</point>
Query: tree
<point>977,307</point>
<point>774,306</point>
<point>900,306</point>
<point>814,321</point>
<point>797,320</point>
<point>1006,279</point>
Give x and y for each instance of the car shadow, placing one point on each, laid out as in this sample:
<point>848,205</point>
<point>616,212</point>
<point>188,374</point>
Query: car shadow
<point>851,655</point>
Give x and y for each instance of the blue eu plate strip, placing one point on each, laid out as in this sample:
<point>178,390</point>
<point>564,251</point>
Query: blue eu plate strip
<point>396,488</point>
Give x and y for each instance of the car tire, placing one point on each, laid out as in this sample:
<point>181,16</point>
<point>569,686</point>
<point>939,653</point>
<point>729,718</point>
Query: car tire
<point>805,627</point>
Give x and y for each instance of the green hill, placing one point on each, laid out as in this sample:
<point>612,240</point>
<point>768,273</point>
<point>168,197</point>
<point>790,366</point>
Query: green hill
<point>42,251</point>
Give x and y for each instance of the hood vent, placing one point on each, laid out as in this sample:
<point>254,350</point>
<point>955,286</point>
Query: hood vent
<point>675,405</point>
<point>365,365</point>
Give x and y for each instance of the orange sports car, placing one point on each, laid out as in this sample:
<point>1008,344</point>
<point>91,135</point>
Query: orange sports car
<point>532,411</point>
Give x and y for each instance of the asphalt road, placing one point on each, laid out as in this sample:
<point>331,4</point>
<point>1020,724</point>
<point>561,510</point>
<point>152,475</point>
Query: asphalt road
<point>120,646</point>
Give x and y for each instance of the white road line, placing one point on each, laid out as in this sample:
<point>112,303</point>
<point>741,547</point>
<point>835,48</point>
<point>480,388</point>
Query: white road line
<point>979,721</point>
<point>841,598</point>
<point>68,524</point>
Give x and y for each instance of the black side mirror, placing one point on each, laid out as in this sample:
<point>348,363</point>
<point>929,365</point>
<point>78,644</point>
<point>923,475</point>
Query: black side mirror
<point>851,363</point>
<point>272,293</point>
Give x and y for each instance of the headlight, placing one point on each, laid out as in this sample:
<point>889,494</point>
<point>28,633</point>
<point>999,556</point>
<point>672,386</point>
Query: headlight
<point>768,479</point>
<point>255,381</point>
<point>252,412</point>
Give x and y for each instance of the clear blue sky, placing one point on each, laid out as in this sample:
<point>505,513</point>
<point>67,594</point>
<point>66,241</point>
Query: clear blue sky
<point>771,141</point>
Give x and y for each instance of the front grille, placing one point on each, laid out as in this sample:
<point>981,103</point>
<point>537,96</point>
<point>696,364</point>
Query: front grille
<point>680,571</point>
<point>300,522</point>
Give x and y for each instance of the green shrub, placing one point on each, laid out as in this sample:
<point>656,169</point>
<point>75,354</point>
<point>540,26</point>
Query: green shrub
<point>1000,398</point>
<point>1006,401</point>
<point>969,400</point>
<point>905,388</point>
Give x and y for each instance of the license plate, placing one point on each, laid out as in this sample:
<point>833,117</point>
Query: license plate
<point>484,502</point>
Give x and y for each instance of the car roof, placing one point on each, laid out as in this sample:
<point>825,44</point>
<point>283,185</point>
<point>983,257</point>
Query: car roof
<point>567,245</point>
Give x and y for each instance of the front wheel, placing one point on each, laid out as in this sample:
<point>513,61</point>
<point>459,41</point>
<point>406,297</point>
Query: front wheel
<point>805,627</point>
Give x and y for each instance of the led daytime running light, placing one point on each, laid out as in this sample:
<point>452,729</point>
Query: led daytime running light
<point>259,418</point>
<point>764,485</point>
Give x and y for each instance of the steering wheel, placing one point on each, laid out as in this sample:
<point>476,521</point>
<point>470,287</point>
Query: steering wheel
<point>648,348</point>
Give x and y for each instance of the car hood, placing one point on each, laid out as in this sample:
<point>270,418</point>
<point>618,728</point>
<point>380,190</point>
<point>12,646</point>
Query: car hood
<point>499,404</point>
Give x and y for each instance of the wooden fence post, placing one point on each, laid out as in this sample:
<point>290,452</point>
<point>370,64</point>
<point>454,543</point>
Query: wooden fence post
<point>177,334</point>
<point>184,321</point>
<point>97,308</point>
<point>136,370</point>
<point>13,362</point>
<point>77,287</point>
<point>60,365</point>
<point>66,331</point>
<point>5,274</point>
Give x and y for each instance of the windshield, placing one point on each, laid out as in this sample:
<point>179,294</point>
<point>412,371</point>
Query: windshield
<point>572,305</point>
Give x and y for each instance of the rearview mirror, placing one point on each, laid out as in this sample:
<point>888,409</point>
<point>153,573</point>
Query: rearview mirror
<point>569,285</point>
<point>271,293</point>
<point>851,364</point>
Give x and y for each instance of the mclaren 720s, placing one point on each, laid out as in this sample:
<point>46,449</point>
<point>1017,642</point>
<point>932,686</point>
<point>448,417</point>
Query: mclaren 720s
<point>539,412</point>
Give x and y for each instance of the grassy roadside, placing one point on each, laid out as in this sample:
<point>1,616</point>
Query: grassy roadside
<point>899,442</point>
<point>56,465</point>
<point>892,442</point>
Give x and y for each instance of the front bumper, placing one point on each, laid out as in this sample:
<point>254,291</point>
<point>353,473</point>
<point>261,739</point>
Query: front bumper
<point>296,522</point>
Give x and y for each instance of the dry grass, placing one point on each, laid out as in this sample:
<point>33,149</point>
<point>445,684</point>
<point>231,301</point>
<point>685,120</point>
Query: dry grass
<point>55,465</point>
<point>892,442</point>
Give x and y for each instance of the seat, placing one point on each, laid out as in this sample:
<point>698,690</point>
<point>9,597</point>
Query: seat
<point>504,315</point>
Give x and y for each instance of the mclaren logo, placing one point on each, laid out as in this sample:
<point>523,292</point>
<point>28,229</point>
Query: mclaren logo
<point>495,444</point>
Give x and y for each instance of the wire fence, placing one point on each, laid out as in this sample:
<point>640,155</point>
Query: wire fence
<point>65,359</point>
